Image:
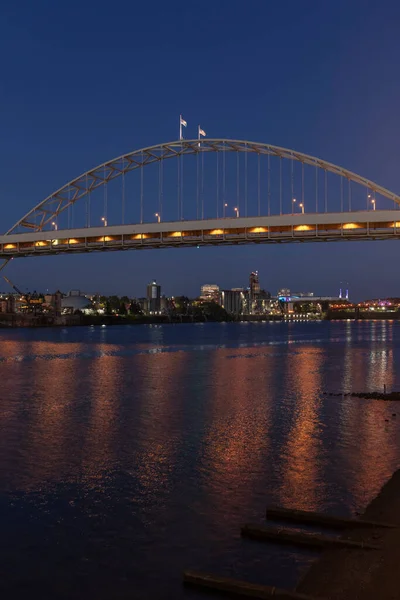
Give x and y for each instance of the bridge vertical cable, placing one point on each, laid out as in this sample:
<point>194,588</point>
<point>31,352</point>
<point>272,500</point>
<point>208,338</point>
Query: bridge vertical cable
<point>316,188</point>
<point>87,206</point>
<point>141,191</point>
<point>217,185</point>
<point>341,194</point>
<point>269,185</point>
<point>202,185</point>
<point>349,195</point>
<point>245,182</point>
<point>302,186</point>
<point>280,185</point>
<point>197,185</point>
<point>237,183</point>
<point>259,191</point>
<point>326,191</point>
<point>292,182</point>
<point>105,196</point>
<point>161,198</point>
<point>224,180</point>
<point>179,187</point>
<point>69,210</point>
<point>182,217</point>
<point>123,193</point>
<point>90,199</point>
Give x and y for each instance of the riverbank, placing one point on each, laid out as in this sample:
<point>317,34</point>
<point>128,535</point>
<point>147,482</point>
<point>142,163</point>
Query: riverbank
<point>20,320</point>
<point>348,574</point>
<point>28,320</point>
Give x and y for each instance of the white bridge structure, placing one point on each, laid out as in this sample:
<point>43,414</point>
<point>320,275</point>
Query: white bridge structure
<point>208,192</point>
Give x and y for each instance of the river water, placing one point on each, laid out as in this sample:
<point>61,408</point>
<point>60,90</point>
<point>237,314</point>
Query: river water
<point>128,454</point>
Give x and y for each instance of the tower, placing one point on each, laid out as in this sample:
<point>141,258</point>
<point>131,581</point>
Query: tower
<point>154,297</point>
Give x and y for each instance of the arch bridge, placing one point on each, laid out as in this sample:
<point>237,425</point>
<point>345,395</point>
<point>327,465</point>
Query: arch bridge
<point>205,192</point>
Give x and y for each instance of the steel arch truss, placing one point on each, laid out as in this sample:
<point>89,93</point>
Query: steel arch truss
<point>47,210</point>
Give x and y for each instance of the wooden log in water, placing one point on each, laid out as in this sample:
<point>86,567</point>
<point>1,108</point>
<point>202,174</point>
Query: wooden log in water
<point>311,540</point>
<point>236,587</point>
<point>276,513</point>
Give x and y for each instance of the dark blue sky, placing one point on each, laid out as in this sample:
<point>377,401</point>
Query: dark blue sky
<point>82,82</point>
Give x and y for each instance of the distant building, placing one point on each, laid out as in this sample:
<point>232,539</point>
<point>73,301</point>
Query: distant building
<point>302,294</point>
<point>154,297</point>
<point>284,293</point>
<point>254,284</point>
<point>233,301</point>
<point>75,301</point>
<point>143,304</point>
<point>210,292</point>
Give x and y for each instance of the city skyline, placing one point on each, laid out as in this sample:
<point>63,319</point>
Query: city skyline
<point>280,100</point>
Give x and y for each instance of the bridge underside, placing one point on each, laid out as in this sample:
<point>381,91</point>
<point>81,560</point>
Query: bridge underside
<point>326,227</point>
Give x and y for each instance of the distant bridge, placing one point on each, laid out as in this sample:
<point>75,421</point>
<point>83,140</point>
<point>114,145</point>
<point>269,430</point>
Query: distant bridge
<point>208,192</point>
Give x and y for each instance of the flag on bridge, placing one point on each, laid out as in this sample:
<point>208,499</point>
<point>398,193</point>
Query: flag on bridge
<point>201,132</point>
<point>182,123</point>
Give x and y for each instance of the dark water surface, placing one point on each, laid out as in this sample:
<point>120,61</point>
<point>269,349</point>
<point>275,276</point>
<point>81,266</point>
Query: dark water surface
<point>130,453</point>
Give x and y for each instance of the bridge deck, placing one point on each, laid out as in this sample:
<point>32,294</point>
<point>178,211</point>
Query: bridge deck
<point>351,226</point>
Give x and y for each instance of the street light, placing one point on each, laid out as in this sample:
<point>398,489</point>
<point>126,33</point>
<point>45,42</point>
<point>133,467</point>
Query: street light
<point>373,203</point>
<point>236,211</point>
<point>225,206</point>
<point>104,221</point>
<point>302,208</point>
<point>293,203</point>
<point>55,225</point>
<point>158,217</point>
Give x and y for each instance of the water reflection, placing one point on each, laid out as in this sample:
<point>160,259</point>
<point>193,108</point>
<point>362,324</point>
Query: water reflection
<point>160,418</point>
<point>239,418</point>
<point>300,485</point>
<point>161,441</point>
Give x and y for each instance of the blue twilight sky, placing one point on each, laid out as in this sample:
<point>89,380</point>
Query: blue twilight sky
<point>82,82</point>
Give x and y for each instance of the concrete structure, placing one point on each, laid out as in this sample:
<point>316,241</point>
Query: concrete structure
<point>75,301</point>
<point>232,301</point>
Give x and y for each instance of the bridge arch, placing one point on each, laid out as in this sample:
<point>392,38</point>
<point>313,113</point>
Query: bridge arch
<point>44,213</point>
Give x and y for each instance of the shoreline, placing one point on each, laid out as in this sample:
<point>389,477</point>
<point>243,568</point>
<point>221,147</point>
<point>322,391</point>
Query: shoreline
<point>24,321</point>
<point>348,574</point>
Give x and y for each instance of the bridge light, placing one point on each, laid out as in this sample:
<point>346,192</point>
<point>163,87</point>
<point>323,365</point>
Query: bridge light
<point>104,221</point>
<point>293,204</point>
<point>157,215</point>
<point>55,225</point>
<point>236,211</point>
<point>302,207</point>
<point>373,203</point>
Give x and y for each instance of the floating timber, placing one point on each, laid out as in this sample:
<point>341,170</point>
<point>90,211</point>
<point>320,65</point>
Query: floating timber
<point>236,587</point>
<point>311,540</point>
<point>276,513</point>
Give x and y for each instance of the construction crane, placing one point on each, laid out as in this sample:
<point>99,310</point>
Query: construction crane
<point>14,287</point>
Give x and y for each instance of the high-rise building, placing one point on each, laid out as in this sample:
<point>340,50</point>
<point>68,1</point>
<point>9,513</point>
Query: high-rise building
<point>154,297</point>
<point>254,284</point>
<point>210,292</point>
